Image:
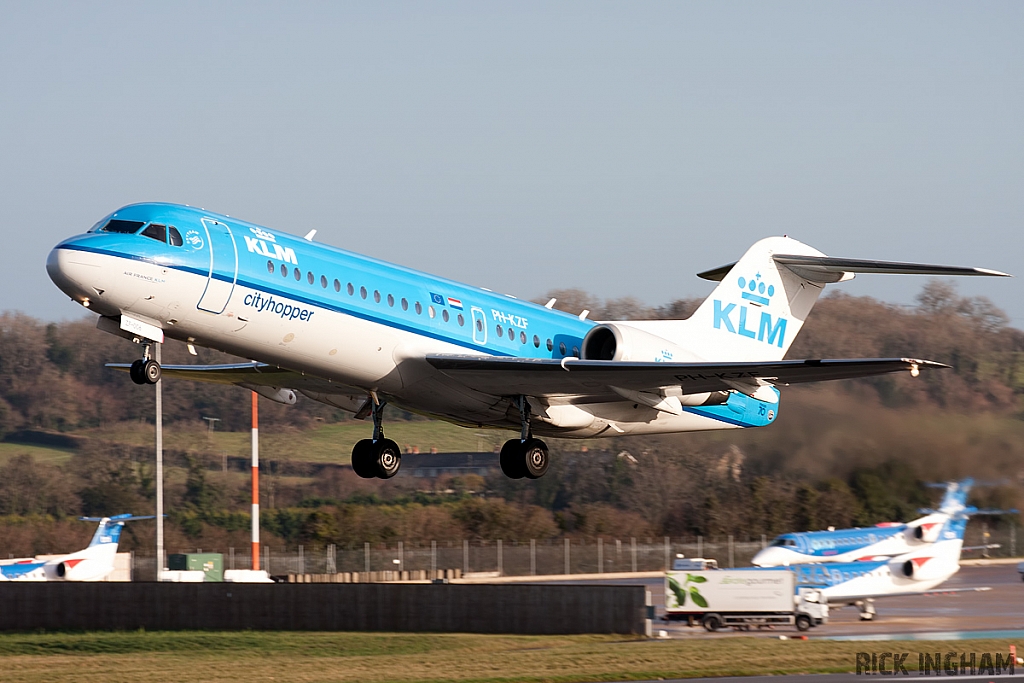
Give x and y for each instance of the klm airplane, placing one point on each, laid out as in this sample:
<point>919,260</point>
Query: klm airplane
<point>871,543</point>
<point>358,333</point>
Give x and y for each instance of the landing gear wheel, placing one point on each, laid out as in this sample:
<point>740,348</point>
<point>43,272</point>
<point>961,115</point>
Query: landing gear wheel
<point>362,459</point>
<point>151,371</point>
<point>511,460</point>
<point>803,622</point>
<point>387,458</point>
<point>535,458</point>
<point>135,372</point>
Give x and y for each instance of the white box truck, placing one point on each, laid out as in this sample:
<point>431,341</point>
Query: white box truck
<point>742,598</point>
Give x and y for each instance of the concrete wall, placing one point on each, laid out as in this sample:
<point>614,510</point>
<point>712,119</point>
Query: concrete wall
<point>530,609</point>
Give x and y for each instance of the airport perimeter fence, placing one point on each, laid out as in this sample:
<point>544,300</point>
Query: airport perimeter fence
<point>481,558</point>
<point>510,558</point>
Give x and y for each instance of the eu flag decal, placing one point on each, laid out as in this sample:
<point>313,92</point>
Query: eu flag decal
<point>437,299</point>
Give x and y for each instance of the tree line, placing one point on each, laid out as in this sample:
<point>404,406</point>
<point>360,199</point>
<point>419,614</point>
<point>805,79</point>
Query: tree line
<point>842,454</point>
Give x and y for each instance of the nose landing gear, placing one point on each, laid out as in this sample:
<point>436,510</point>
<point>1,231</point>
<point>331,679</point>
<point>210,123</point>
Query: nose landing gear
<point>145,370</point>
<point>525,456</point>
<point>378,457</point>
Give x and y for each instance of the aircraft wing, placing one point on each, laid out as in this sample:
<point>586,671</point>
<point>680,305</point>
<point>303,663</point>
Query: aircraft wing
<point>506,376</point>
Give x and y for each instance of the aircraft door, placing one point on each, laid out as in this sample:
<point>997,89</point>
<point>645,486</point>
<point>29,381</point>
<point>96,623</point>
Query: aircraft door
<point>479,326</point>
<point>223,266</point>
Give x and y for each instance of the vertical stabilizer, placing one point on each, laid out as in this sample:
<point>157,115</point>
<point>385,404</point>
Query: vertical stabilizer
<point>757,309</point>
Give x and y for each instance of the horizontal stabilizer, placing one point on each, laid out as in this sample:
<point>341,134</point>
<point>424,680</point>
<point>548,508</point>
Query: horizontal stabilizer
<point>506,376</point>
<point>830,269</point>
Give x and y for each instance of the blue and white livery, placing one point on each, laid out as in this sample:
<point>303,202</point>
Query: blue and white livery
<point>870,543</point>
<point>357,333</point>
<point>93,563</point>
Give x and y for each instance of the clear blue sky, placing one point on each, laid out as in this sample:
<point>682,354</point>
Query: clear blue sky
<point>616,147</point>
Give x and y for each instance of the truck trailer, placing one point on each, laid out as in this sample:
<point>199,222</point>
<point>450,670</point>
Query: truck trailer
<point>742,598</point>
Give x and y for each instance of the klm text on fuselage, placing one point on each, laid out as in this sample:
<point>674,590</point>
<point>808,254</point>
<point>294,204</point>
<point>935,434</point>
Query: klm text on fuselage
<point>768,330</point>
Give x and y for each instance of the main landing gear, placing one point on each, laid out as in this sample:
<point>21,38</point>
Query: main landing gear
<point>377,457</point>
<point>145,370</point>
<point>525,456</point>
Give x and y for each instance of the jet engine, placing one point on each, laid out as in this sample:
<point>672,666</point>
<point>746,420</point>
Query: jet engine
<point>77,570</point>
<point>614,341</point>
<point>617,342</point>
<point>918,568</point>
<point>924,533</point>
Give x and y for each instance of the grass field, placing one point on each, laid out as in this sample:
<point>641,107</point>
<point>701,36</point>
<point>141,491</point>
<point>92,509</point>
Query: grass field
<point>52,456</point>
<point>327,443</point>
<point>380,657</point>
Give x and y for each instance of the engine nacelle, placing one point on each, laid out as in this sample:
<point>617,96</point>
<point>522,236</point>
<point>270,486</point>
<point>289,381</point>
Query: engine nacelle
<point>615,341</point>
<point>919,568</point>
<point>925,533</point>
<point>82,569</point>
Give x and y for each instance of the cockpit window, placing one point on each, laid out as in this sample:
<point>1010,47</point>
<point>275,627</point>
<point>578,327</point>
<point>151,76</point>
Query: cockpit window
<point>175,237</point>
<point>124,227</point>
<point>156,232</point>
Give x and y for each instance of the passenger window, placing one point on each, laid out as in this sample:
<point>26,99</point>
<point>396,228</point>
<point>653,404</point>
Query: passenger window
<point>405,305</point>
<point>430,311</point>
<point>419,309</point>
<point>561,348</point>
<point>175,237</point>
<point>310,277</point>
<point>550,345</point>
<point>522,337</point>
<point>479,325</point>
<point>270,267</point>
<point>376,296</point>
<point>391,301</point>
<point>536,342</point>
<point>156,232</point>
<point>323,281</point>
<point>350,289</point>
<point>498,328</point>
<point>337,286</point>
<point>444,315</point>
<point>362,292</point>
<point>511,334</point>
<point>284,270</point>
<point>298,274</point>
<point>122,227</point>
<point>575,352</point>
<point>462,321</point>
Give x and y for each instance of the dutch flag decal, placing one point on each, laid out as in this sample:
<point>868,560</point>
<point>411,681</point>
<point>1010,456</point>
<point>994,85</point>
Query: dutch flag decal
<point>455,303</point>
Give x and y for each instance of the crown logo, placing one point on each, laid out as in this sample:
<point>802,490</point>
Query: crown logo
<point>755,290</point>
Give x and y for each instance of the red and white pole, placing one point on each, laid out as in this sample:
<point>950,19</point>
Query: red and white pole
<point>255,483</point>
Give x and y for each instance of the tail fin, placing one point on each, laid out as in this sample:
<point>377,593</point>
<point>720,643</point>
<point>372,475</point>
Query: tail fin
<point>765,297</point>
<point>759,307</point>
<point>955,498</point>
<point>109,530</point>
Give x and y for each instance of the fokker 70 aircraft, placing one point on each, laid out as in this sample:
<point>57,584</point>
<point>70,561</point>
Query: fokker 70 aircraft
<point>356,333</point>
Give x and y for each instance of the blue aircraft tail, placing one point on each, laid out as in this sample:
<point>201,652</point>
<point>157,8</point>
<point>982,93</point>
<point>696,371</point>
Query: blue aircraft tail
<point>109,530</point>
<point>955,499</point>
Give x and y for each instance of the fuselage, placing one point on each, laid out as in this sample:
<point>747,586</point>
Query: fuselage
<point>360,323</point>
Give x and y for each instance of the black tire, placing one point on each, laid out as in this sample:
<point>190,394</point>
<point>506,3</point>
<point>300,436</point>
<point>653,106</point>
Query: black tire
<point>135,372</point>
<point>387,458</point>
<point>362,459</point>
<point>151,371</point>
<point>803,622</point>
<point>535,458</point>
<point>711,622</point>
<point>511,459</point>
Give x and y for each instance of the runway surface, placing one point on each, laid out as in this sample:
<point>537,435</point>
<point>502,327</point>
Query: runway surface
<point>959,615</point>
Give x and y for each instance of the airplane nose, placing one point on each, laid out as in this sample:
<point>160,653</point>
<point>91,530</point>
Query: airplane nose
<point>65,272</point>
